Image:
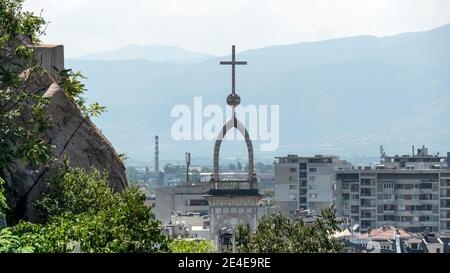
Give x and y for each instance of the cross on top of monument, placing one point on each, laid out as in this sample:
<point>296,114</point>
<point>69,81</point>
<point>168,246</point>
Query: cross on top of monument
<point>233,99</point>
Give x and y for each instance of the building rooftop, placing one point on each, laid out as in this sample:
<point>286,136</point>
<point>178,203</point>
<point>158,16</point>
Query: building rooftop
<point>386,233</point>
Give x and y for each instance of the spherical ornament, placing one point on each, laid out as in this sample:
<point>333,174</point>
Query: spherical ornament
<point>233,100</point>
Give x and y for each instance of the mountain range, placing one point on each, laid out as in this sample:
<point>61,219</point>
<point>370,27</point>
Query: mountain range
<point>154,53</point>
<point>343,96</point>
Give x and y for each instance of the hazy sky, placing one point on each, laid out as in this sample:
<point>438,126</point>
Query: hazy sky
<point>86,26</point>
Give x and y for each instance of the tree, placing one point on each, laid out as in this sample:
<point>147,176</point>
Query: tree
<point>80,207</point>
<point>191,246</point>
<point>259,166</point>
<point>231,167</point>
<point>277,234</point>
<point>20,139</point>
<point>239,166</point>
<point>171,169</point>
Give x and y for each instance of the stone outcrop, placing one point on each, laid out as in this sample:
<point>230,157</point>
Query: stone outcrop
<point>73,135</point>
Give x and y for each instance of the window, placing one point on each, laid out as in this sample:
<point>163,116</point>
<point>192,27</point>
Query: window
<point>388,197</point>
<point>196,202</point>
<point>366,192</point>
<point>302,166</point>
<point>425,186</point>
<point>292,187</point>
<point>312,170</point>
<point>303,175</point>
<point>388,185</point>
<point>293,170</point>
<point>438,250</point>
<point>313,195</point>
<point>292,196</point>
<point>312,178</point>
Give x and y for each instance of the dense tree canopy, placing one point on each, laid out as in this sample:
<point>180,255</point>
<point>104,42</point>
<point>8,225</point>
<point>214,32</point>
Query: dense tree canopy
<point>80,208</point>
<point>278,234</point>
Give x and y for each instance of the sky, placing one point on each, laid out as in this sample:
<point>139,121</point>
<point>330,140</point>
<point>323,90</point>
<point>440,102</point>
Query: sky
<point>210,26</point>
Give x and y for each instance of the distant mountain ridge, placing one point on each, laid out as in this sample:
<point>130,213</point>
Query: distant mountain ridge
<point>342,96</point>
<point>154,53</point>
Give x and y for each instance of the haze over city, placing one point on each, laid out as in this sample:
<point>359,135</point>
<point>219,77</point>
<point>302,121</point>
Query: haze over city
<point>152,43</point>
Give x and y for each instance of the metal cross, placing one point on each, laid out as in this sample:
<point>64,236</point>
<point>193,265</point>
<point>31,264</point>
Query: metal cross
<point>233,64</point>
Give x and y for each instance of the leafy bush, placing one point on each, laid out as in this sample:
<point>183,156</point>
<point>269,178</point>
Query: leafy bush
<point>191,246</point>
<point>81,208</point>
<point>277,234</point>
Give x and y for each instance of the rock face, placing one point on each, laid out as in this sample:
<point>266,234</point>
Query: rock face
<point>74,136</point>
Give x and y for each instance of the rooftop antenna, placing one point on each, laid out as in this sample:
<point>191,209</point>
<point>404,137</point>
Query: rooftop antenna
<point>382,151</point>
<point>156,154</point>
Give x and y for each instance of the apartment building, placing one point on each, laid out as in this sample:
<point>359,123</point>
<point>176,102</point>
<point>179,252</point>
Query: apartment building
<point>306,182</point>
<point>410,192</point>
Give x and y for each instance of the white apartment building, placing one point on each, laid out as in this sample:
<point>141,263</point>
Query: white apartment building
<point>409,191</point>
<point>306,182</point>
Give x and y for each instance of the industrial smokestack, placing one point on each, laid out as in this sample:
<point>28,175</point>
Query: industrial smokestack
<point>413,150</point>
<point>156,155</point>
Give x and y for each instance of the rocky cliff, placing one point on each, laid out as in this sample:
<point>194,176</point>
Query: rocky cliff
<point>72,135</point>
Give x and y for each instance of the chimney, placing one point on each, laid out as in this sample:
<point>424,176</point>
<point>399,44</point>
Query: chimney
<point>156,155</point>
<point>413,150</point>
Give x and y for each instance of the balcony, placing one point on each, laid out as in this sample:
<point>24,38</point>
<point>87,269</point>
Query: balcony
<point>445,183</point>
<point>445,215</point>
<point>445,206</point>
<point>445,193</point>
<point>233,187</point>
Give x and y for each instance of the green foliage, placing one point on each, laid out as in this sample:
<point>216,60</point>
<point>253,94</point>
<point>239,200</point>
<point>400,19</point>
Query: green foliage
<point>75,190</point>
<point>81,208</point>
<point>24,115</point>
<point>3,204</point>
<point>192,246</point>
<point>15,23</point>
<point>20,138</point>
<point>74,88</point>
<point>10,243</point>
<point>268,192</point>
<point>171,169</point>
<point>123,157</point>
<point>277,234</point>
